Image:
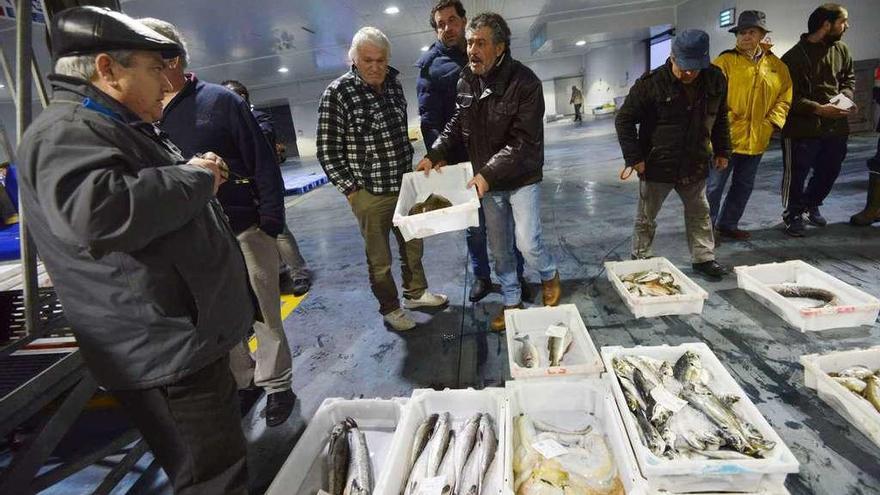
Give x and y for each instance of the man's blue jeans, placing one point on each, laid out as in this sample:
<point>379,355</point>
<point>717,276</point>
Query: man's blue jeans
<point>478,251</point>
<point>513,219</point>
<point>743,168</point>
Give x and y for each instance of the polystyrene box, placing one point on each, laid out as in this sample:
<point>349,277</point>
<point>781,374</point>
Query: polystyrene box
<point>304,470</point>
<point>582,357</point>
<point>572,404</point>
<point>855,308</point>
<point>686,476</point>
<point>855,409</point>
<point>688,302</point>
<point>450,183</point>
<point>461,405</point>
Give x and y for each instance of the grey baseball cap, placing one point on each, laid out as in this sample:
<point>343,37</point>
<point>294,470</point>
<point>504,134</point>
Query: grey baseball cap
<point>691,49</point>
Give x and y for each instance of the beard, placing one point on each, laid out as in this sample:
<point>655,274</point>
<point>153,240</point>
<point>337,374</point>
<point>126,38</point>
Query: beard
<point>833,37</point>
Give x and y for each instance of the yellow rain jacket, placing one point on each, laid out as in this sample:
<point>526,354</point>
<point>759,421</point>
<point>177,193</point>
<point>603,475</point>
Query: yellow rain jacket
<point>758,98</point>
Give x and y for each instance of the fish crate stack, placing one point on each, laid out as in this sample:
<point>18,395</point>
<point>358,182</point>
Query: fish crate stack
<point>305,470</point>
<point>532,332</point>
<point>689,301</point>
<point>710,469</point>
<point>850,307</point>
<point>451,184</point>
<point>857,408</point>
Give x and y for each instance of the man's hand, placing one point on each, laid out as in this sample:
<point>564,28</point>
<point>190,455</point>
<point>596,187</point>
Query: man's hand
<point>639,167</point>
<point>218,168</point>
<point>425,165</point>
<point>829,111</point>
<point>480,183</point>
<point>720,163</point>
<point>350,196</point>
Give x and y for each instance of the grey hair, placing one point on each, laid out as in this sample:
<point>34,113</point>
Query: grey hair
<point>169,31</point>
<point>369,35</point>
<point>83,66</point>
<point>500,31</point>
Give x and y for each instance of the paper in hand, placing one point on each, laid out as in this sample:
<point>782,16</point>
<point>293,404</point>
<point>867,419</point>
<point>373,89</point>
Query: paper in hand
<point>842,102</point>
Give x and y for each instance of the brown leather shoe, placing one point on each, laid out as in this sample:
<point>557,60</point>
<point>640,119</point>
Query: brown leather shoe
<point>552,291</point>
<point>497,324</point>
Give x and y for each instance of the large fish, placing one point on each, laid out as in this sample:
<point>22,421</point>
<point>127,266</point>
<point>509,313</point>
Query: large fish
<point>688,368</point>
<point>480,459</point>
<point>438,444</point>
<point>338,458</point>
<point>558,346</point>
<point>528,353</point>
<point>423,434</point>
<point>431,203</point>
<point>360,470</point>
<point>826,298</point>
<point>464,444</point>
<point>738,434</point>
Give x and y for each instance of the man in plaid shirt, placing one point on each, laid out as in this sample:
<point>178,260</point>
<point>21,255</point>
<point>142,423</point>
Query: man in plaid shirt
<point>364,147</point>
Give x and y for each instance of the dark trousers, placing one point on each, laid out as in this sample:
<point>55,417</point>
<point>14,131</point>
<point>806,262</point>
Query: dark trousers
<point>743,168</point>
<point>193,427</point>
<point>824,157</point>
<point>478,251</point>
<point>577,112</point>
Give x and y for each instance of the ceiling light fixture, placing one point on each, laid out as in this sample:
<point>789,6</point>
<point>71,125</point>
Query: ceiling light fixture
<point>425,48</point>
<point>2,85</point>
<point>283,70</point>
<point>581,43</point>
<point>392,10</point>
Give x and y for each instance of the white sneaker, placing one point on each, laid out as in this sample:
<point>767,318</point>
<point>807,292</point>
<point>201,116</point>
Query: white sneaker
<point>400,320</point>
<point>427,300</point>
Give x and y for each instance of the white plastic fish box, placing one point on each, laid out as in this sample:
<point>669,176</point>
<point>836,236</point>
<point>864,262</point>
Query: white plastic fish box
<point>451,183</point>
<point>572,404</point>
<point>855,409</point>
<point>856,307</point>
<point>687,476</point>
<point>304,472</point>
<point>582,357</point>
<point>690,301</point>
<point>461,405</point>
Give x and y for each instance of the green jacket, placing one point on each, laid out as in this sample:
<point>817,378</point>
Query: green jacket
<point>819,72</point>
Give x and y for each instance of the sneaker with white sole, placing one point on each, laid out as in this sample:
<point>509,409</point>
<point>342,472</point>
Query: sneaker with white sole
<point>427,300</point>
<point>400,320</point>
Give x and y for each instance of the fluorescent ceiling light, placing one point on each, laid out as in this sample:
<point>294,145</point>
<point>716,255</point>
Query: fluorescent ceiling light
<point>581,43</point>
<point>424,49</point>
<point>392,10</point>
<point>2,85</point>
<point>283,70</point>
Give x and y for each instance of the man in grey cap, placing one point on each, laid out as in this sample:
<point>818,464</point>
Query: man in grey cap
<point>681,111</point>
<point>143,260</point>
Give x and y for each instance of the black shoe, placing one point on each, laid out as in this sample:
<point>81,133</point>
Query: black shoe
<point>247,397</point>
<point>816,218</point>
<point>279,406</point>
<point>285,283</point>
<point>794,226</point>
<point>711,269</point>
<point>301,286</point>
<point>526,294</point>
<point>480,289</point>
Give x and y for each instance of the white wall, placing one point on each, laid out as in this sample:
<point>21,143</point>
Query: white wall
<point>610,71</point>
<point>787,20</point>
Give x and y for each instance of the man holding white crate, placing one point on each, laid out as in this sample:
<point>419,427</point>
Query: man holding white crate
<point>364,147</point>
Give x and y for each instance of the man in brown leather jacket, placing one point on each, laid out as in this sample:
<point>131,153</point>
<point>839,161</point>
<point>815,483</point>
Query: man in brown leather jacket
<point>500,122</point>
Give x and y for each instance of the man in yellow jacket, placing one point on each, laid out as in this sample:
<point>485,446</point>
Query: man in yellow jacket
<point>758,99</point>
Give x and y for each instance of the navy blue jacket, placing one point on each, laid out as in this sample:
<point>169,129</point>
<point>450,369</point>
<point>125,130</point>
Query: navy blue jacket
<point>208,117</point>
<point>439,70</point>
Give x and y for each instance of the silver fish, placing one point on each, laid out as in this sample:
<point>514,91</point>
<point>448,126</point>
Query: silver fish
<point>688,368</point>
<point>464,445</point>
<point>480,459</point>
<point>417,474</point>
<point>658,414</point>
<point>423,434</point>
<point>338,458</point>
<point>857,371</point>
<point>447,468</point>
<point>529,357</point>
<point>438,443</point>
<point>558,346</point>
<point>360,470</point>
<point>737,433</point>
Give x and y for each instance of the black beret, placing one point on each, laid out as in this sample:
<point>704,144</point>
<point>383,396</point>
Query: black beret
<point>85,30</point>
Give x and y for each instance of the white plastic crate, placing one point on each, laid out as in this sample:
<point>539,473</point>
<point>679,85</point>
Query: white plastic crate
<point>461,405</point>
<point>690,301</point>
<point>686,476</point>
<point>573,404</point>
<point>582,357</point>
<point>304,470</point>
<point>856,410</point>
<point>856,307</point>
<point>451,183</point>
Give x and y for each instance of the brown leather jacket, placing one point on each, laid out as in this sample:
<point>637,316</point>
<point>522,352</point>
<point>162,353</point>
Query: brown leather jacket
<point>501,126</point>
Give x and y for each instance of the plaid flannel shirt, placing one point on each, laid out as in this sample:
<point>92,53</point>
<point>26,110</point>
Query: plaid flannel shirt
<point>362,136</point>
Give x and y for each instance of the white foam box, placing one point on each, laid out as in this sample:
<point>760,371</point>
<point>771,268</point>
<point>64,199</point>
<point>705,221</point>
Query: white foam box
<point>451,183</point>
<point>690,301</point>
<point>582,357</point>
<point>855,308</point>
<point>688,476</point>
<point>855,409</point>
<point>572,404</point>
<point>304,472</point>
<point>461,405</point>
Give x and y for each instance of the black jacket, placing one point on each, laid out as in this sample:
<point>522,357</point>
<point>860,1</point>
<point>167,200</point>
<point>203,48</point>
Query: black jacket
<point>436,87</point>
<point>501,126</point>
<point>675,139</point>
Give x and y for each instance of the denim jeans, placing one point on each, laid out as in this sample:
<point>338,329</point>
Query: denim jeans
<point>743,168</point>
<point>478,251</point>
<point>513,219</point>
<point>824,157</point>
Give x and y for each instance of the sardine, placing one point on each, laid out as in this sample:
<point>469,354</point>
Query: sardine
<point>431,203</point>
<point>423,434</point>
<point>360,470</point>
<point>558,346</point>
<point>872,391</point>
<point>438,443</point>
<point>529,357</point>
<point>338,458</point>
<point>826,297</point>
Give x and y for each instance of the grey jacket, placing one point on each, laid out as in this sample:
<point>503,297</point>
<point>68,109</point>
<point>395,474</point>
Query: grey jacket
<point>144,262</point>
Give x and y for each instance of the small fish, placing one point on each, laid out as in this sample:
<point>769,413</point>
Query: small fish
<point>872,391</point>
<point>423,434</point>
<point>447,468</point>
<point>857,371</point>
<point>651,283</point>
<point>431,203</point>
<point>417,474</point>
<point>851,383</point>
<point>558,346</point>
<point>480,459</point>
<point>338,458</point>
<point>438,443</point>
<point>529,357</point>
<point>826,297</point>
<point>688,368</point>
<point>360,471</point>
<point>467,438</point>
